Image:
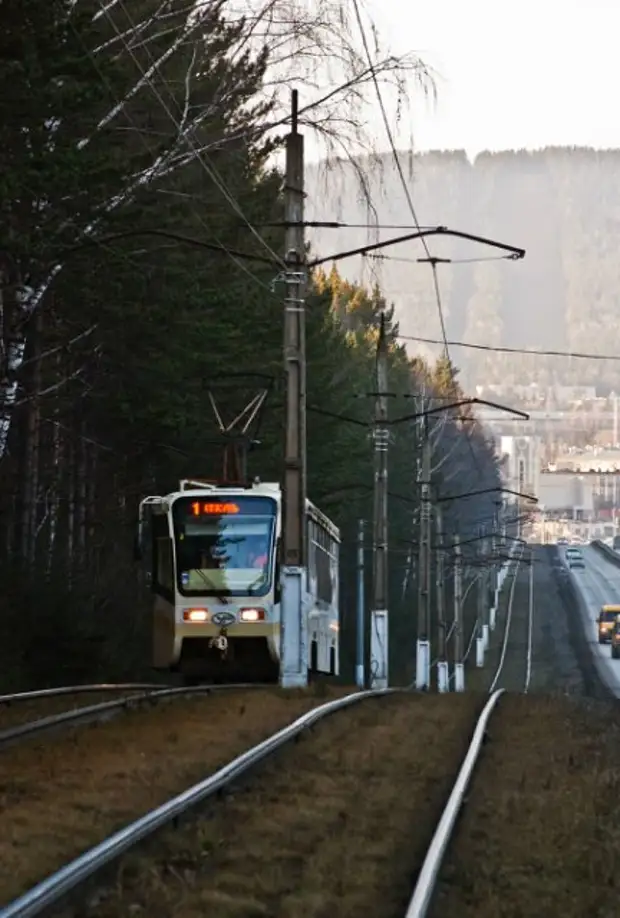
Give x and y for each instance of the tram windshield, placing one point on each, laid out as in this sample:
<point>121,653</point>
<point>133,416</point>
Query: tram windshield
<point>224,545</point>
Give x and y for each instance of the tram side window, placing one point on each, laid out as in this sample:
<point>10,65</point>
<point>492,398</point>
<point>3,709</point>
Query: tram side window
<point>323,547</point>
<point>163,573</point>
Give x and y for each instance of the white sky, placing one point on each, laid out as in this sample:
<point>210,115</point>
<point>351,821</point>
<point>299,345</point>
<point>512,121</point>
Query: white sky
<point>510,75</point>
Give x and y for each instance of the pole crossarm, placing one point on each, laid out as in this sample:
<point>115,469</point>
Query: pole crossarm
<point>518,253</point>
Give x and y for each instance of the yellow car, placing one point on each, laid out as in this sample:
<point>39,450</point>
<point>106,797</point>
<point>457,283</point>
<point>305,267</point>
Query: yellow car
<point>606,620</point>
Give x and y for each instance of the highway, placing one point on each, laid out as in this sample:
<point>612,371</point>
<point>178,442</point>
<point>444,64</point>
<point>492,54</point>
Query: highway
<point>598,584</point>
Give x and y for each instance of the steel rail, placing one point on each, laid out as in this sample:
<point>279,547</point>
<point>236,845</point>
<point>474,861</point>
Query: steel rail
<point>508,623</point>
<point>429,874</point>
<point>80,689</point>
<point>49,891</point>
<point>96,712</point>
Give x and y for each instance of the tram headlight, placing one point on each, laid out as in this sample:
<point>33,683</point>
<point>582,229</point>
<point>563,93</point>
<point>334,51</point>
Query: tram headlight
<point>252,615</point>
<point>195,615</point>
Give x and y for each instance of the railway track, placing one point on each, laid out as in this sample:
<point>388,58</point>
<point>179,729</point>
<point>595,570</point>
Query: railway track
<point>514,666</point>
<point>141,695</point>
<point>337,805</point>
<point>349,815</point>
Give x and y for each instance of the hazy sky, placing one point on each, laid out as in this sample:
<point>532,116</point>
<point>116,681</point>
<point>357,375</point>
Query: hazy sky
<point>527,74</point>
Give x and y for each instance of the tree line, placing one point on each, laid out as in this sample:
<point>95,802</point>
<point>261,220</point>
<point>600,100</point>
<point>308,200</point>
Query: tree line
<point>140,230</point>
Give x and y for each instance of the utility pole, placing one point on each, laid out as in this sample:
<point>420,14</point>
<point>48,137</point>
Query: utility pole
<point>423,649</point>
<point>485,594</point>
<point>443,681</point>
<point>480,647</point>
<point>459,667</point>
<point>495,571</point>
<point>359,667</point>
<point>294,622</point>
<point>379,676</point>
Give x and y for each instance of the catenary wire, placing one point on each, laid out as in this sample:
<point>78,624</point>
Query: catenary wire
<point>501,349</point>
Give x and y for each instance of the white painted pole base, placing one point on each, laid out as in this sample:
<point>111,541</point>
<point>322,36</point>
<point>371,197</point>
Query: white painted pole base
<point>379,676</point>
<point>485,637</point>
<point>459,677</point>
<point>423,665</point>
<point>359,676</point>
<point>479,652</point>
<point>492,617</point>
<point>293,629</point>
<point>443,677</point>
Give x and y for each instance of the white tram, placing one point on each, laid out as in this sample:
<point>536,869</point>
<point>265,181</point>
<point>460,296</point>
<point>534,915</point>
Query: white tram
<point>212,557</point>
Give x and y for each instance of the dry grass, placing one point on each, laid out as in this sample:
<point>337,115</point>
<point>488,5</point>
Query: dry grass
<point>540,834</point>
<point>60,797</point>
<point>335,825</point>
<point>22,712</point>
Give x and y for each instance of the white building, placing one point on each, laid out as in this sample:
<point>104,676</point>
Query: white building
<point>521,466</point>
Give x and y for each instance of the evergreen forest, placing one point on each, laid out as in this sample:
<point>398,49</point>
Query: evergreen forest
<point>140,232</point>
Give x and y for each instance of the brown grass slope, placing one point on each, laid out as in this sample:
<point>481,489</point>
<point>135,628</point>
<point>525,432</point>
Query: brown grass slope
<point>335,825</point>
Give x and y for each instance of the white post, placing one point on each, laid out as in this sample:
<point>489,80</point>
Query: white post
<point>485,637</point>
<point>459,677</point>
<point>423,665</point>
<point>443,677</point>
<point>294,629</point>
<point>480,652</point>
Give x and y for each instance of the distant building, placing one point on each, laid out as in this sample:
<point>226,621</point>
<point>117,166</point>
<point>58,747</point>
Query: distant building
<point>521,463</point>
<point>565,493</point>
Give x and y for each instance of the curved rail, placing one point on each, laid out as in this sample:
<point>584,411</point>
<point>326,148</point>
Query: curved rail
<point>427,879</point>
<point>49,891</point>
<point>96,712</point>
<point>508,624</point>
<point>58,691</point>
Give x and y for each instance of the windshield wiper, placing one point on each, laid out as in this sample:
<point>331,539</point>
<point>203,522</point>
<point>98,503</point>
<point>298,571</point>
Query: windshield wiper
<point>211,585</point>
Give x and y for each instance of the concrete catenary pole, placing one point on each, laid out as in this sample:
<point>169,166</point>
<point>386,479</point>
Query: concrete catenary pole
<point>294,622</point>
<point>459,666</point>
<point>359,665</point>
<point>443,679</point>
<point>423,647</point>
<point>379,676</point>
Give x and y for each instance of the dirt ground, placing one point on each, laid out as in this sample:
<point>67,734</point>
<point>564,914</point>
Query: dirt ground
<point>60,796</point>
<point>335,825</point>
<point>540,833</point>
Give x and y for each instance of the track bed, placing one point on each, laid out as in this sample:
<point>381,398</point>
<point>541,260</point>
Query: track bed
<point>63,795</point>
<point>336,824</point>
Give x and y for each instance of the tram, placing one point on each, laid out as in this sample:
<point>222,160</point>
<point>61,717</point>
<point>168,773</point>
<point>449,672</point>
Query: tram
<point>212,558</point>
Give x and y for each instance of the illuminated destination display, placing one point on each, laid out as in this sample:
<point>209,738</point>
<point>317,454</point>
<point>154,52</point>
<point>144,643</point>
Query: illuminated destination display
<point>212,509</point>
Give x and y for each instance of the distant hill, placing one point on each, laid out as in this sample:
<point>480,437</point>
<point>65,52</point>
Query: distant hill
<point>561,204</point>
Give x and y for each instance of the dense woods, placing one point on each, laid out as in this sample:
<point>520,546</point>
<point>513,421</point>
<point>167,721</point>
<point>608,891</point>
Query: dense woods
<point>127,192</point>
<point>560,204</point>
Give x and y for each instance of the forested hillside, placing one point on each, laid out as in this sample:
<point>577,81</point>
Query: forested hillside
<point>561,205</point>
<point>126,191</point>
